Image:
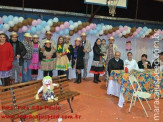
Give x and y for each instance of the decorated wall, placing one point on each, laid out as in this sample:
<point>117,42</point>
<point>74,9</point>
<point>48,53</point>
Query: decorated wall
<point>137,38</point>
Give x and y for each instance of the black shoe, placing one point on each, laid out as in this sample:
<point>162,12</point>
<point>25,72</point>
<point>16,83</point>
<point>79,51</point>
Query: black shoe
<point>95,79</point>
<point>79,78</point>
<point>98,78</point>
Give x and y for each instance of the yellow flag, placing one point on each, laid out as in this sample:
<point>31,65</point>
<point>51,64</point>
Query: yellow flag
<point>68,51</point>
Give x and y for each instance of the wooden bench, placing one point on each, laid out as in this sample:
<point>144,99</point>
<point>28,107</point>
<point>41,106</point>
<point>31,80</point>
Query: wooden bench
<point>22,95</point>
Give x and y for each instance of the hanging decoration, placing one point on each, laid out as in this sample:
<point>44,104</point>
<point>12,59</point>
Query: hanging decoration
<point>38,26</point>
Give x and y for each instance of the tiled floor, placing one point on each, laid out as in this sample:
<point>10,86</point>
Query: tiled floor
<point>94,105</point>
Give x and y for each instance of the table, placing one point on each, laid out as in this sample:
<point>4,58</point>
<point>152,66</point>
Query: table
<point>120,86</point>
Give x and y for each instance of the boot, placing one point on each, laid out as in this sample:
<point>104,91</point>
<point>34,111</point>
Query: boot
<point>98,77</point>
<point>3,82</point>
<point>59,72</point>
<point>95,79</point>
<point>79,77</point>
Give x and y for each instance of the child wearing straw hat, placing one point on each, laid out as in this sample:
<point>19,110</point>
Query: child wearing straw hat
<point>34,65</point>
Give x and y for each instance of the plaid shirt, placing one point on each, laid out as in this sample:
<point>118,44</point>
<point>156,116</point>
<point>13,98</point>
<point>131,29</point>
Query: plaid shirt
<point>28,47</point>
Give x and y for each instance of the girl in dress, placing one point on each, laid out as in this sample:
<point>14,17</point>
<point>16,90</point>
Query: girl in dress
<point>62,61</point>
<point>34,65</point>
<point>47,53</point>
<point>78,59</point>
<point>6,54</point>
<point>97,68</point>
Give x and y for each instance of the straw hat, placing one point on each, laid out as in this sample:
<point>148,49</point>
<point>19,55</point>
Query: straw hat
<point>67,37</point>
<point>35,36</point>
<point>78,39</point>
<point>27,35</point>
<point>83,34</point>
<point>47,41</point>
<point>14,34</point>
<point>111,37</point>
<point>48,32</point>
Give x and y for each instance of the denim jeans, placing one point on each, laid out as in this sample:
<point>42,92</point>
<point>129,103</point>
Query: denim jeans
<point>26,71</point>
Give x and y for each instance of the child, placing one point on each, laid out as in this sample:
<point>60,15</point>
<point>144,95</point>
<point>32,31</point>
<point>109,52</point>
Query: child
<point>62,62</point>
<point>47,53</point>
<point>34,65</point>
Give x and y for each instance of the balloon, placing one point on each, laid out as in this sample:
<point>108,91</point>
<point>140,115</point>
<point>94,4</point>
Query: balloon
<point>15,28</point>
<point>24,28</point>
<point>113,33</point>
<point>50,23</point>
<point>5,19</point>
<point>101,32</point>
<point>103,28</point>
<point>39,21</point>
<point>11,23</point>
<point>75,24</point>
<point>135,33</point>
<point>55,19</point>
<point>62,27</point>
<point>84,30</point>
<point>33,30</point>
<point>34,23</point>
<point>88,28</point>
<point>19,25</point>
<point>124,32</point>
<point>6,27</point>
<point>16,20</point>
<point>91,25</point>
<point>125,27</point>
<point>66,24</point>
<point>66,31</point>
<point>10,17</point>
<point>61,32</point>
<point>71,27</point>
<point>79,22</point>
<point>57,29</point>
<point>38,27</point>
<point>117,32</point>
<point>71,22</point>
<point>47,28</point>
<point>21,19</point>
<point>25,22</point>
<point>43,23</point>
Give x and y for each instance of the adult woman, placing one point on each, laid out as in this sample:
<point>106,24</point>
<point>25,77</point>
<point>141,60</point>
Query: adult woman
<point>6,54</point>
<point>34,65</point>
<point>46,55</point>
<point>97,67</point>
<point>19,52</point>
<point>78,59</point>
<point>62,62</point>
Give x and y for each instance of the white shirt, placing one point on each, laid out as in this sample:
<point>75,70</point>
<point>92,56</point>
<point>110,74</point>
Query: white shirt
<point>131,65</point>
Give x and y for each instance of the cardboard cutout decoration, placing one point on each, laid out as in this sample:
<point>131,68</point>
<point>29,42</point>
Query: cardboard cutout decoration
<point>47,88</point>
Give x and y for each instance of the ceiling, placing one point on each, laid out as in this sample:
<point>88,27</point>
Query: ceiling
<point>147,9</point>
